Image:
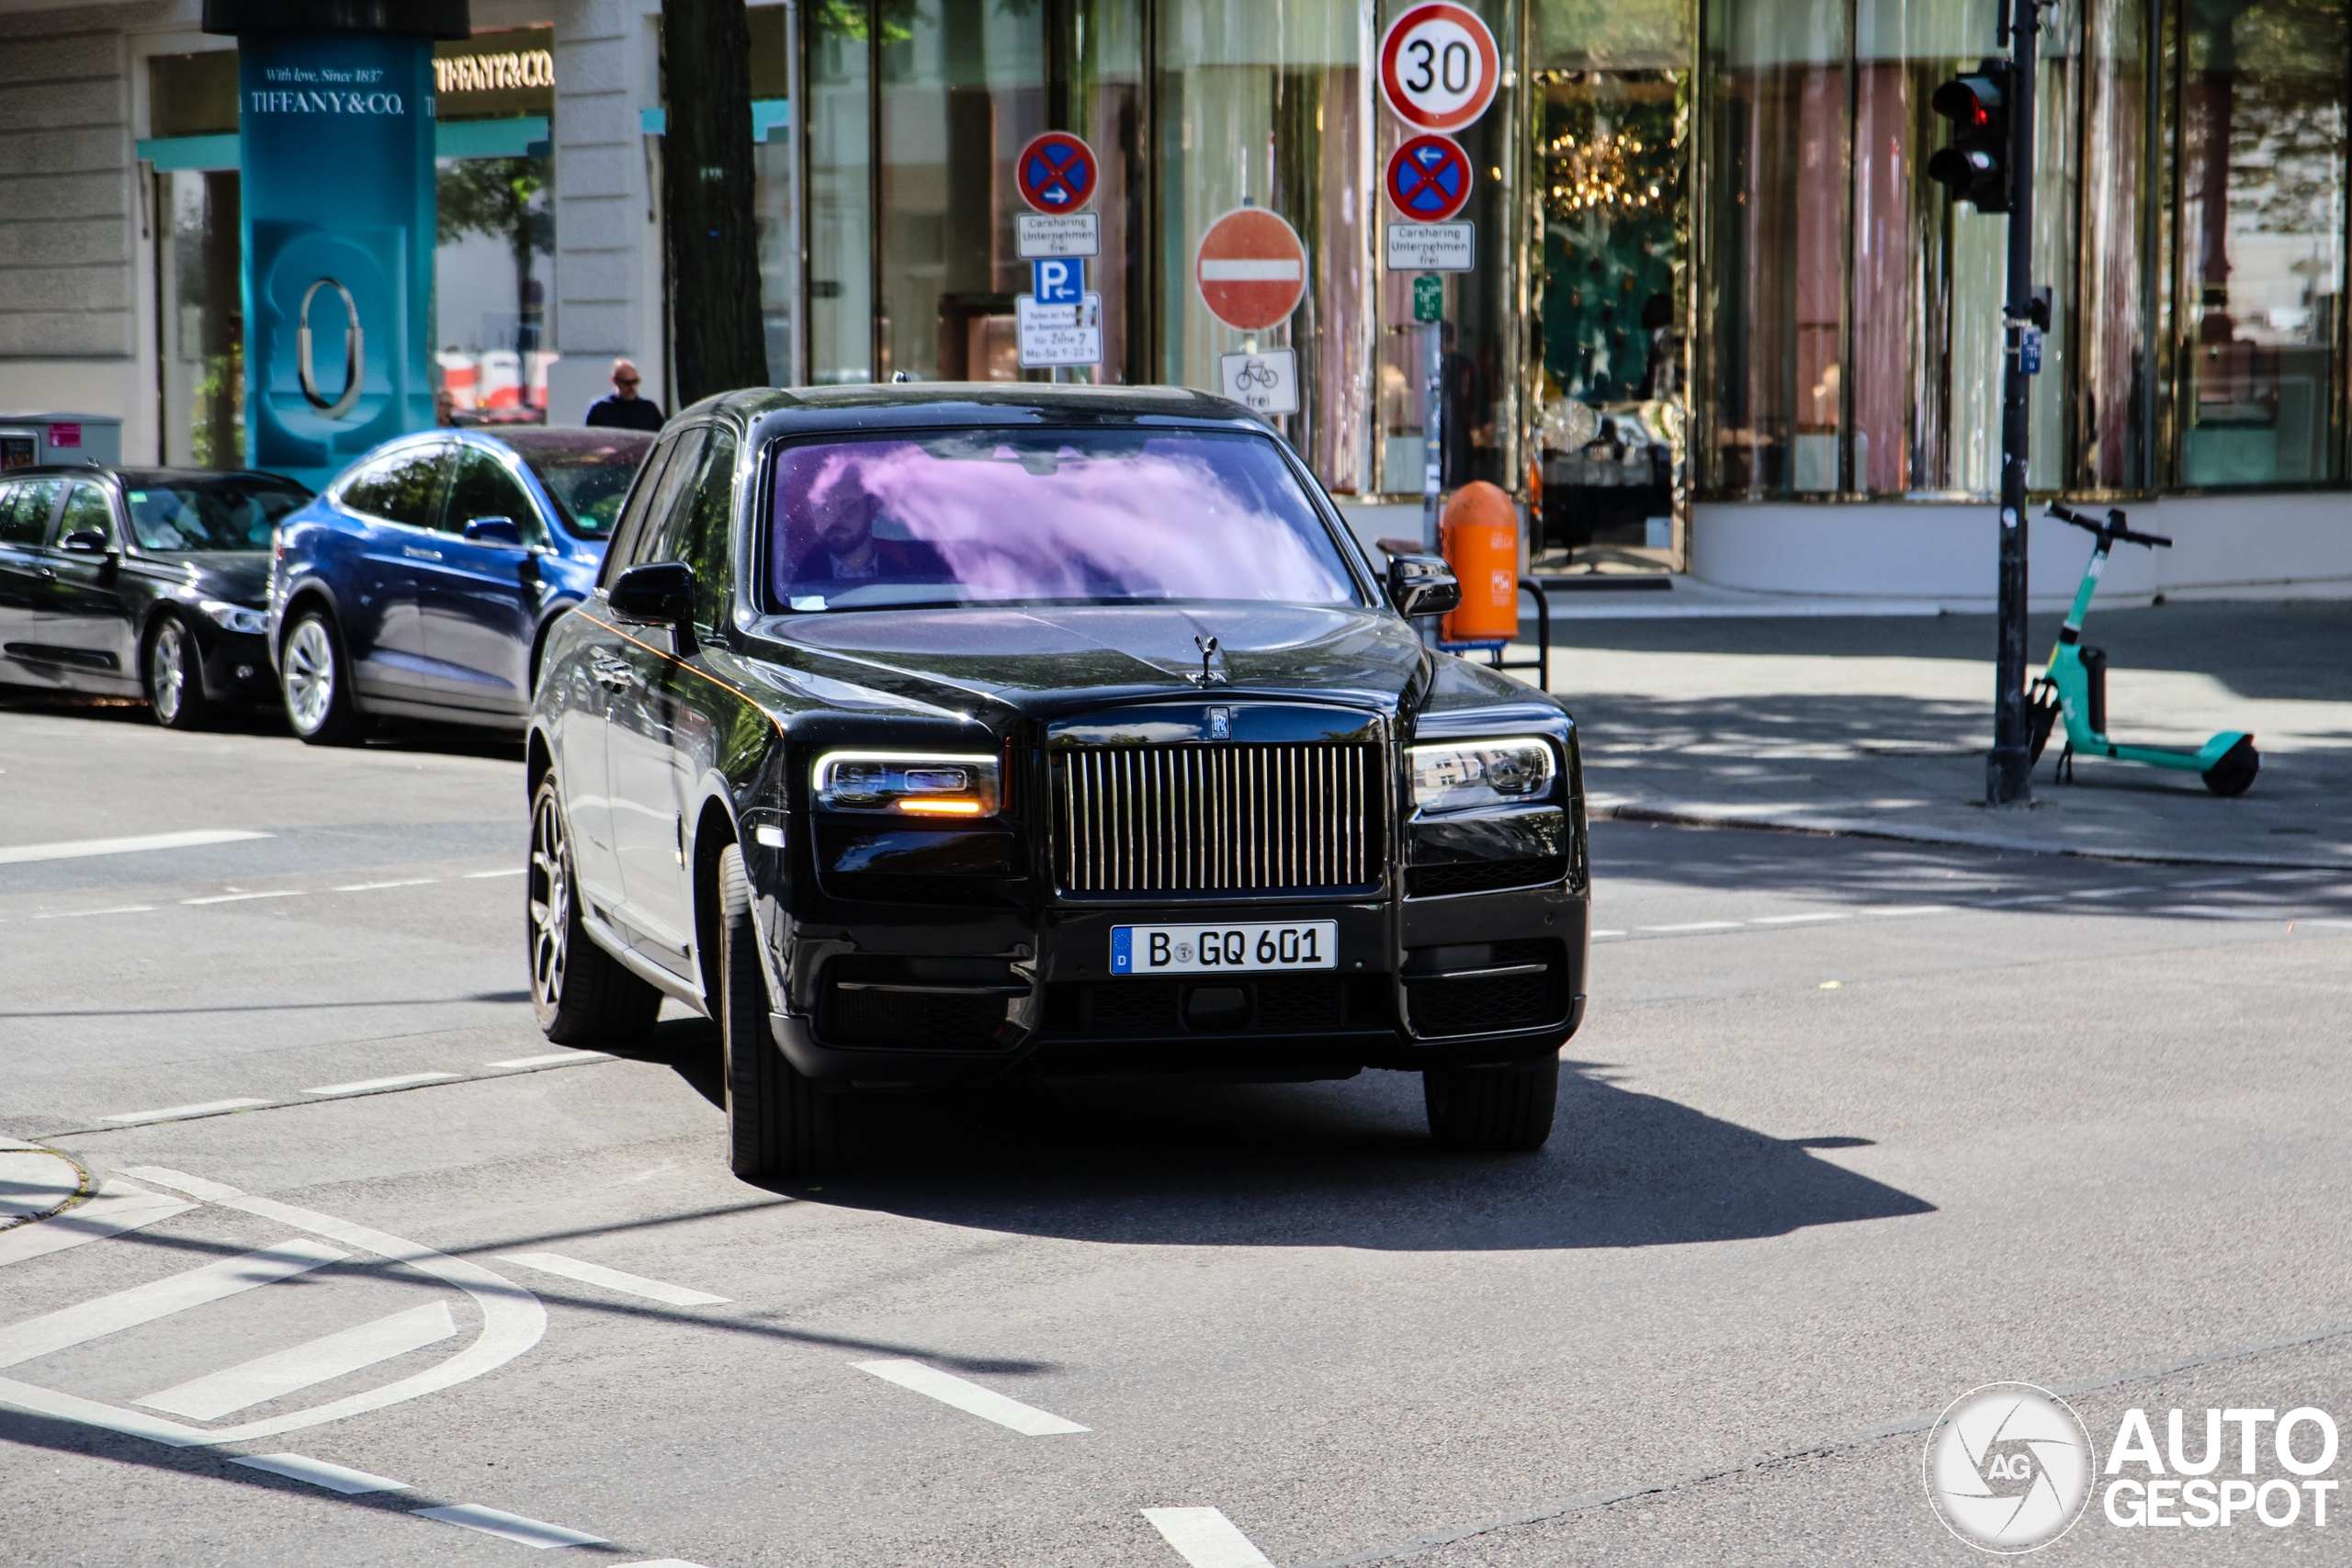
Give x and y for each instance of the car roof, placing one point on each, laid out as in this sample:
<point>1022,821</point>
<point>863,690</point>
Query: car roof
<point>911,403</point>
<point>147,476</point>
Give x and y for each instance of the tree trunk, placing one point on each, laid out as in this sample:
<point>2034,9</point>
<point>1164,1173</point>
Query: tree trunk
<point>717,339</point>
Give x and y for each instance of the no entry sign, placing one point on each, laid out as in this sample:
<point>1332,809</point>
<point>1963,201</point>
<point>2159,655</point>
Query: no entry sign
<point>1439,68</point>
<point>1056,172</point>
<point>1251,269</point>
<point>1429,179</point>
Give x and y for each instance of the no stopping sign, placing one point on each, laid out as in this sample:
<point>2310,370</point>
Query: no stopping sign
<point>1438,67</point>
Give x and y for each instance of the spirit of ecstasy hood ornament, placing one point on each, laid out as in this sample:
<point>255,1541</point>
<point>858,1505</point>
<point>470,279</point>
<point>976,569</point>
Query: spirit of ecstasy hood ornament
<point>1210,674</point>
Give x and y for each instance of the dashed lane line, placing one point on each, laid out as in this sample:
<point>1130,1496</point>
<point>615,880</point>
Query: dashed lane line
<point>2211,882</point>
<point>614,1279</point>
<point>509,1527</point>
<point>506,871</point>
<point>78,1325</point>
<point>319,1472</point>
<point>970,1398</point>
<point>247,897</point>
<point>184,1112</point>
<point>552,1058</point>
<point>274,1376</point>
<point>74,849</point>
<point>1803,919</point>
<point>373,886</point>
<point>1893,911</point>
<point>76,914</point>
<point>367,1085</point>
<point>1205,1538</point>
<point>1694,926</point>
<point>117,1207</point>
<point>2221,912</point>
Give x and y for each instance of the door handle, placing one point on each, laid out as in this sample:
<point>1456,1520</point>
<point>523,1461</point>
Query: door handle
<point>415,554</point>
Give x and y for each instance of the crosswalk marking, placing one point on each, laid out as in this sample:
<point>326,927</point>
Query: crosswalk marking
<point>319,1472</point>
<point>219,1393</point>
<point>54,1331</point>
<point>970,1397</point>
<point>173,1113</point>
<point>511,1527</point>
<point>77,848</point>
<point>116,1209</point>
<point>1205,1538</point>
<point>613,1278</point>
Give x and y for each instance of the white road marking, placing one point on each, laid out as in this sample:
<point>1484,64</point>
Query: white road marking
<point>662,1563</point>
<point>319,1472</point>
<point>76,914</point>
<point>2021,898</point>
<point>243,898</point>
<point>510,871</point>
<point>115,1209</point>
<point>553,1057</point>
<point>1607,933</point>
<point>1694,926</point>
<point>37,1337</point>
<point>363,1085</point>
<point>173,1114</point>
<point>2108,892</point>
<point>1800,920</point>
<point>224,1393</point>
<point>970,1398</point>
<point>77,848</point>
<point>1205,1539</point>
<point>613,1278</point>
<point>1899,909</point>
<point>372,886</point>
<point>2211,882</point>
<point>2342,925</point>
<point>509,1527</point>
<point>2217,912</point>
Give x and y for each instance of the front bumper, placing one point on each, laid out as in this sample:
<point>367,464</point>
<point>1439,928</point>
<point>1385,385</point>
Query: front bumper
<point>237,665</point>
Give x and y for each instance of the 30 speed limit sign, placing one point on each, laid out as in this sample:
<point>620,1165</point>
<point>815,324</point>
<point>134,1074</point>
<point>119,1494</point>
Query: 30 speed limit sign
<point>1439,68</point>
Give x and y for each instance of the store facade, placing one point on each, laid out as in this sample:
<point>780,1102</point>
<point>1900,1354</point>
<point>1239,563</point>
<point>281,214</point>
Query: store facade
<point>1720,321</point>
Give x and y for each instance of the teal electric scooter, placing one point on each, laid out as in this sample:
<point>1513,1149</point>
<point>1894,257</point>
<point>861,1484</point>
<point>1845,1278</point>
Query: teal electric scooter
<point>2076,686</point>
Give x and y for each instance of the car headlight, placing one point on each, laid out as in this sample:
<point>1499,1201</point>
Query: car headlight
<point>235,617</point>
<point>1463,775</point>
<point>908,784</point>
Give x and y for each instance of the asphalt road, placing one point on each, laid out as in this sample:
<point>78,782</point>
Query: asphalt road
<point>1854,1127</point>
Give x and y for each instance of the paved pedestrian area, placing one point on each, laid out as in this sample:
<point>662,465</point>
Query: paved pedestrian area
<point>1880,724</point>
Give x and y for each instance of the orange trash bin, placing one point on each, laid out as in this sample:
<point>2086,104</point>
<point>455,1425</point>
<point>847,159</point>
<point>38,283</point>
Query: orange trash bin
<point>1479,538</point>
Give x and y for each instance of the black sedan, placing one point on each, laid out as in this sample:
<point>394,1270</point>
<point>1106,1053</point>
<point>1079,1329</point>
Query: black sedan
<point>149,582</point>
<point>926,735</point>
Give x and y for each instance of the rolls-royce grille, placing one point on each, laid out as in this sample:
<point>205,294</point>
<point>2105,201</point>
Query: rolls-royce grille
<point>1218,818</point>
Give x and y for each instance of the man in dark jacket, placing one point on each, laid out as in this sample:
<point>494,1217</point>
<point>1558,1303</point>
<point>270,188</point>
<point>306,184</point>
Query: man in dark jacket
<point>625,410</point>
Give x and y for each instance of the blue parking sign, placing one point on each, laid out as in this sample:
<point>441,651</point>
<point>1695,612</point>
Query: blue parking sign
<point>1059,280</point>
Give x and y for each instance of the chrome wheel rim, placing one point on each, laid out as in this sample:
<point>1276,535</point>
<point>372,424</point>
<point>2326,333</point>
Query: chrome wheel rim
<point>551,896</point>
<point>167,672</point>
<point>309,675</point>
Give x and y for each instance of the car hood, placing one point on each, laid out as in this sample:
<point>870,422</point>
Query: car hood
<point>239,577</point>
<point>1041,659</point>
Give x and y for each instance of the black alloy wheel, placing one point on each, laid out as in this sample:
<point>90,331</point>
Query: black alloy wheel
<point>778,1122</point>
<point>175,671</point>
<point>583,994</point>
<point>1493,1108</point>
<point>316,680</point>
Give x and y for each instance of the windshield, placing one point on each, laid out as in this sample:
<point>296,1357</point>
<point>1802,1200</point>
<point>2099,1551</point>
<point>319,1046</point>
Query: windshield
<point>1102,516</point>
<point>234,511</point>
<point>589,479</point>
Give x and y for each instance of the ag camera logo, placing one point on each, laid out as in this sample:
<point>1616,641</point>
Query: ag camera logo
<point>2009,1468</point>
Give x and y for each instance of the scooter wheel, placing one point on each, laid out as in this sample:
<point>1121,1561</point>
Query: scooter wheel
<point>2233,774</point>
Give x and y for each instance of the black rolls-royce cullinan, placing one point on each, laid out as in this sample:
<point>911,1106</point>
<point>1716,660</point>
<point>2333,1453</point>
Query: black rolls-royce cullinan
<point>929,734</point>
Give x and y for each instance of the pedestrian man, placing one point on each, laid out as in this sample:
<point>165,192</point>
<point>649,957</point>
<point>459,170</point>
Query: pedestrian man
<point>625,409</point>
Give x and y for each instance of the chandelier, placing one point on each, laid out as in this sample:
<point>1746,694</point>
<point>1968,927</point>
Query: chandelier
<point>1601,171</point>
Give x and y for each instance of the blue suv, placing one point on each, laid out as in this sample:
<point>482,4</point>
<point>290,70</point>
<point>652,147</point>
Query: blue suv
<point>423,580</point>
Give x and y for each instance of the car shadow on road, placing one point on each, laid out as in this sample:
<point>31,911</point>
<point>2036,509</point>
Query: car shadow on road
<point>1338,1165</point>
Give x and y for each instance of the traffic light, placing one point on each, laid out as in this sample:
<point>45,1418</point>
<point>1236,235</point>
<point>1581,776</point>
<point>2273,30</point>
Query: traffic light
<point>1976,165</point>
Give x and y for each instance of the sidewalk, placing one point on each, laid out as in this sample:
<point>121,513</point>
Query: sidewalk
<point>1880,725</point>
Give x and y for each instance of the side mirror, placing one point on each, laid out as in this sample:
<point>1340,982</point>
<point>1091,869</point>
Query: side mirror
<point>494,531</point>
<point>1423,585</point>
<point>661,592</point>
<point>85,541</point>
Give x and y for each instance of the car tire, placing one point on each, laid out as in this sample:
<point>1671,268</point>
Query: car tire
<point>778,1122</point>
<point>175,675</point>
<point>315,679</point>
<point>1492,1108</point>
<point>583,996</point>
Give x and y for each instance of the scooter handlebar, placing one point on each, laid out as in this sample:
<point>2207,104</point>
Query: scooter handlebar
<point>2112,530</point>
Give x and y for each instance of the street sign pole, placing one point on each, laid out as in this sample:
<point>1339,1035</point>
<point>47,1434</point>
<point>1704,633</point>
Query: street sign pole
<point>2009,768</point>
<point>1429,310</point>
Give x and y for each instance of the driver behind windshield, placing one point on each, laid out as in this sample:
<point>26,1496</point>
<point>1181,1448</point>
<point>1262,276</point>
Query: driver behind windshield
<point>841,514</point>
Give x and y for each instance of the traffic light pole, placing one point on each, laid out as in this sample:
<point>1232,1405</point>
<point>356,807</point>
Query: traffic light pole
<point>2008,769</point>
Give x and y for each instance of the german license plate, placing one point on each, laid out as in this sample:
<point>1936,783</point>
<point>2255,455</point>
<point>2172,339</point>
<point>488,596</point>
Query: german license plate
<point>1224,950</point>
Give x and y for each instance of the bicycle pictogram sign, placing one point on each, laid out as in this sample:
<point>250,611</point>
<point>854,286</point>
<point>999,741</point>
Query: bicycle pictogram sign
<point>1056,172</point>
<point>1429,179</point>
